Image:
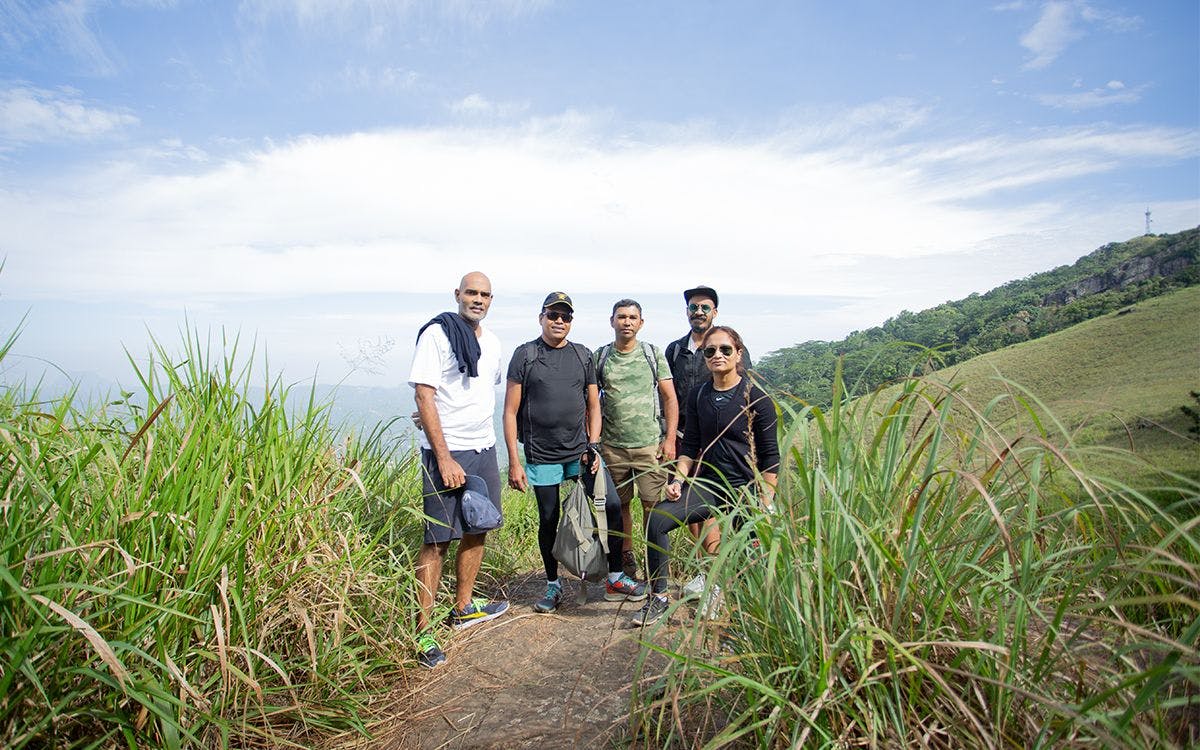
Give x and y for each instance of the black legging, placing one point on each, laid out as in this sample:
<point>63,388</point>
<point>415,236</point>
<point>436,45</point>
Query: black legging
<point>699,502</point>
<point>550,511</point>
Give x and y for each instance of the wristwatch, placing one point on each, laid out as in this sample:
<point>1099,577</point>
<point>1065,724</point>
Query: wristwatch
<point>594,448</point>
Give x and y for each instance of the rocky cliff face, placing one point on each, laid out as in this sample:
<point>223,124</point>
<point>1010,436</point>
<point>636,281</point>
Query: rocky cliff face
<point>1166,262</point>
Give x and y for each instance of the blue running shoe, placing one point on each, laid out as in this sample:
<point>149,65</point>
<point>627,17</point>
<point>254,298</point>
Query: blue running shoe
<point>551,600</point>
<point>479,610</point>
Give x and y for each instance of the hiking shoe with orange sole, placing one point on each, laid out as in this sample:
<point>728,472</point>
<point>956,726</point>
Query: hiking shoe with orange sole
<point>625,589</point>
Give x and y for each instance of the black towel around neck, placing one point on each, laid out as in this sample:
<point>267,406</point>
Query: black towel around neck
<point>463,341</point>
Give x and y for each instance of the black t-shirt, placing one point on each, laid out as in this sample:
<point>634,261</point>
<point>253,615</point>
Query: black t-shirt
<point>718,430</point>
<point>551,417</point>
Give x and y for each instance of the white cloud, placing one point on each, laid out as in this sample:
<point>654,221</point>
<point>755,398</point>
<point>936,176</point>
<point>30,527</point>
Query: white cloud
<point>1054,30</point>
<point>1114,93</point>
<point>66,23</point>
<point>1061,23</point>
<point>36,115</point>
<point>551,199</point>
<point>380,17</point>
<point>475,105</point>
<point>386,78</point>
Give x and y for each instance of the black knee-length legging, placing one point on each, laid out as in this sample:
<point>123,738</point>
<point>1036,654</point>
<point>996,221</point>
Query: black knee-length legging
<point>550,512</point>
<point>699,502</point>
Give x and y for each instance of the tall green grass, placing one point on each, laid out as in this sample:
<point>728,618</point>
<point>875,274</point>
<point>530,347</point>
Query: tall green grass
<point>203,563</point>
<point>931,579</point>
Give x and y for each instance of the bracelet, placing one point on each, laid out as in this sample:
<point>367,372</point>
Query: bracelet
<point>677,481</point>
<point>594,448</point>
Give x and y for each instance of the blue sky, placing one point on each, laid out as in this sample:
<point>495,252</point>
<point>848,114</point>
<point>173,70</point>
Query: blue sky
<point>310,172</point>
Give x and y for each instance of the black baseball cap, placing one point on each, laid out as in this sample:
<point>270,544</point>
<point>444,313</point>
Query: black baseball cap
<point>558,298</point>
<point>707,291</point>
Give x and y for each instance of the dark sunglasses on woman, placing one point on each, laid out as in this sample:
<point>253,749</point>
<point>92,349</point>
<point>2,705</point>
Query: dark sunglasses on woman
<point>711,351</point>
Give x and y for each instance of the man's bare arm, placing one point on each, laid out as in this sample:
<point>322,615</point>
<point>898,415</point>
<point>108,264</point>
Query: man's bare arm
<point>670,406</point>
<point>512,402</point>
<point>452,473</point>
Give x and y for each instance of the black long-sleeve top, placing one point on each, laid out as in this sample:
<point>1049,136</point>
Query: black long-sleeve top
<point>688,371</point>
<point>719,424</point>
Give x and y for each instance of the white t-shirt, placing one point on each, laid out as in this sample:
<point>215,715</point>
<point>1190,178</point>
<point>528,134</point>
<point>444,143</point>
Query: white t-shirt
<point>466,406</point>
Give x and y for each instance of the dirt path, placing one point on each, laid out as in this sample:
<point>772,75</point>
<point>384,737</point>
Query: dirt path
<point>530,680</point>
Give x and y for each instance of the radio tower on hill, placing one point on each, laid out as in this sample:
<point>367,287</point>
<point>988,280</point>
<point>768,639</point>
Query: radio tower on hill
<point>1147,221</point>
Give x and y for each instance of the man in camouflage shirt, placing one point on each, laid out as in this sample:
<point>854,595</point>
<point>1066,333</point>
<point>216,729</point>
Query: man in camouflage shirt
<point>640,416</point>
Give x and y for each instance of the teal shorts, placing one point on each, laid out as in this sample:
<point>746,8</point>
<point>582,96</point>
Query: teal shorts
<point>545,475</point>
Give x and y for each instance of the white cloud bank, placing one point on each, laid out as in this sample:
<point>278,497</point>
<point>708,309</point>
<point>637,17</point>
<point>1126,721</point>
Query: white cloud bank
<point>552,203</point>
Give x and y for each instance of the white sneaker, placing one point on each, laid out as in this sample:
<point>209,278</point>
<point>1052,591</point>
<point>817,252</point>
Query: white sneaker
<point>711,603</point>
<point>694,587</point>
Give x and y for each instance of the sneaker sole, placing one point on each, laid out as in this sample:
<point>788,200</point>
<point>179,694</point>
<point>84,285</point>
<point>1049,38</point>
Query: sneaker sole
<point>624,597</point>
<point>464,624</point>
<point>544,610</point>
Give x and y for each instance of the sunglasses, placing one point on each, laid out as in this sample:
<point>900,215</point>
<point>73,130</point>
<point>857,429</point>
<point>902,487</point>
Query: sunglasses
<point>556,315</point>
<point>711,351</point>
<point>696,307</point>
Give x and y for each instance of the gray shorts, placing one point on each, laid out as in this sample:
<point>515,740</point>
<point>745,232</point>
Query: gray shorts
<point>444,507</point>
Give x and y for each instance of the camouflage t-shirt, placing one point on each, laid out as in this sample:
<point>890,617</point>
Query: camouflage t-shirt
<point>628,404</point>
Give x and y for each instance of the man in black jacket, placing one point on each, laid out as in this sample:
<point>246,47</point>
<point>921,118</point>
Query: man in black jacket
<point>688,371</point>
<point>683,356</point>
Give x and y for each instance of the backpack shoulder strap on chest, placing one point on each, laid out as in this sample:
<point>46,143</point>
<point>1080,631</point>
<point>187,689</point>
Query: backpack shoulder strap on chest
<point>651,354</point>
<point>602,355</point>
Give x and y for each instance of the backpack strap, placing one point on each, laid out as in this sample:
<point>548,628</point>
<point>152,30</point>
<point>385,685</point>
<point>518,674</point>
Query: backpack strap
<point>602,355</point>
<point>600,490</point>
<point>651,354</point>
<point>673,357</point>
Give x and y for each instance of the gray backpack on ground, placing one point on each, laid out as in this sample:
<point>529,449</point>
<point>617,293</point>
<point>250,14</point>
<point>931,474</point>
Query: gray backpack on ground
<point>581,545</point>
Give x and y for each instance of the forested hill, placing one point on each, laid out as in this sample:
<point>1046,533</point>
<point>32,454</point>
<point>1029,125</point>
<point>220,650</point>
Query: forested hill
<point>1108,279</point>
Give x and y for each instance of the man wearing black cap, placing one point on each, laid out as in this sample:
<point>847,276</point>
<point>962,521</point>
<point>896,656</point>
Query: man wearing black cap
<point>552,406</point>
<point>683,355</point>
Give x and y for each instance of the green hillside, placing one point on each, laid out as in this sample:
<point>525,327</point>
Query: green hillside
<point>1110,278</point>
<point>1116,381</point>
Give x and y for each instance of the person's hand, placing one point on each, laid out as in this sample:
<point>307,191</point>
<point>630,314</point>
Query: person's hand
<point>416,418</point>
<point>516,477</point>
<point>674,489</point>
<point>666,449</point>
<point>453,475</point>
<point>592,457</point>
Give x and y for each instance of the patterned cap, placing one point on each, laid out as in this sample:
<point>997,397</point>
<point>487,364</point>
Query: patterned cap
<point>558,298</point>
